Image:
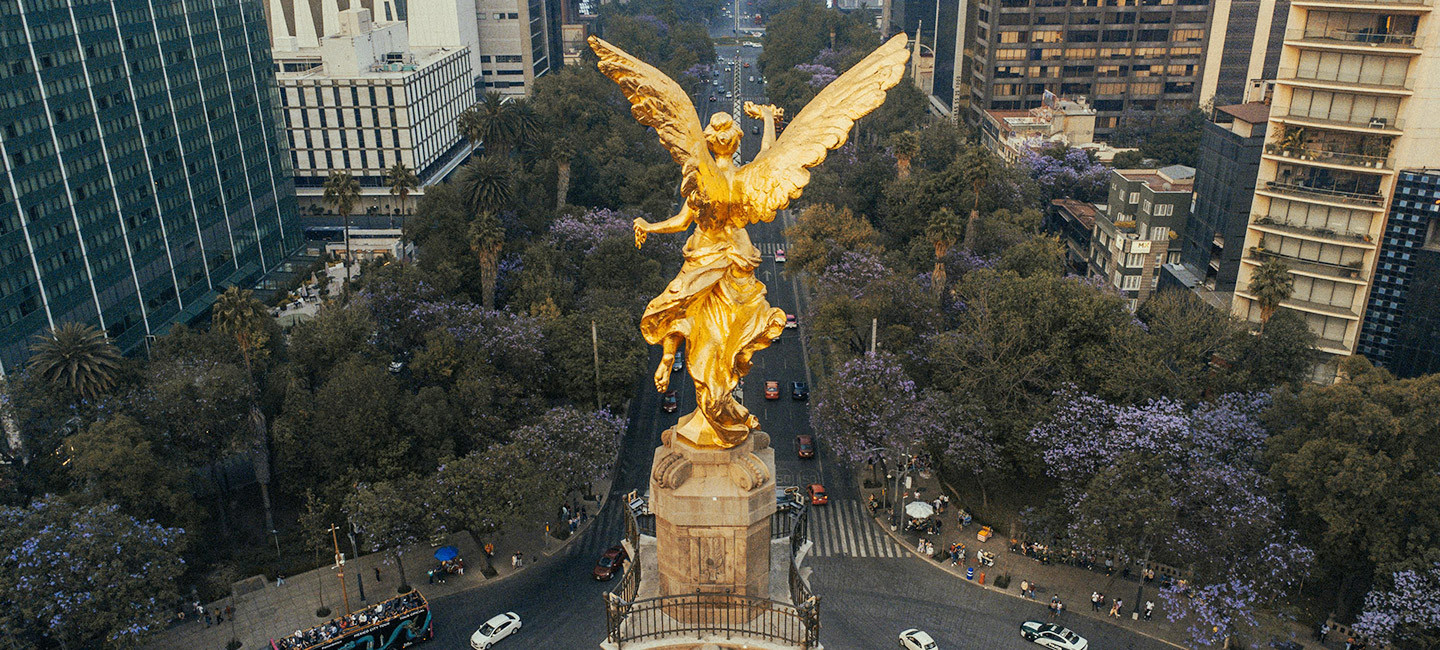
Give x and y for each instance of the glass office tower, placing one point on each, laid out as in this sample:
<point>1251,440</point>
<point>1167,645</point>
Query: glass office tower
<point>144,168</point>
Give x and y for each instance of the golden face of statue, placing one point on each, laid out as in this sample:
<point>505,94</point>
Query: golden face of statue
<point>723,135</point>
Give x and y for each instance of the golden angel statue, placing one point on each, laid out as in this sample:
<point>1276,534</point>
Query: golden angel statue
<point>715,304</point>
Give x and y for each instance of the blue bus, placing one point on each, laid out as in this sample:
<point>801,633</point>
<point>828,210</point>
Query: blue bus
<point>399,622</point>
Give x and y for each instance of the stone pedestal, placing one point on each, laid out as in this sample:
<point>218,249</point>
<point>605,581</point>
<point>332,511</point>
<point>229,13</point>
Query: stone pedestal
<point>712,516</point>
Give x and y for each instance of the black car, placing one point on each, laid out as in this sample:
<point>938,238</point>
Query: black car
<point>670,401</point>
<point>799,391</point>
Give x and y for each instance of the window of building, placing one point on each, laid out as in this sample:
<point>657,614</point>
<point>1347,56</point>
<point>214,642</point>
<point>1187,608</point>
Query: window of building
<point>1130,282</point>
<point>1134,198</point>
<point>1145,206</point>
<point>1164,209</point>
<point>1159,233</point>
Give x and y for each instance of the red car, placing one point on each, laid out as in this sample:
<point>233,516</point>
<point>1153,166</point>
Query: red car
<point>610,562</point>
<point>817,495</point>
<point>805,446</point>
<point>670,402</point>
<point>747,64</point>
<point>772,390</point>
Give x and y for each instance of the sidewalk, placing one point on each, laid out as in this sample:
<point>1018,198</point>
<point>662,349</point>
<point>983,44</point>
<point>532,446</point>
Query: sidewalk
<point>264,609</point>
<point>1073,585</point>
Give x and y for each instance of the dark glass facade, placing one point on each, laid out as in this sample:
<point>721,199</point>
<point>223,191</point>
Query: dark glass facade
<point>144,166</point>
<point>1401,331</point>
<point>1225,173</point>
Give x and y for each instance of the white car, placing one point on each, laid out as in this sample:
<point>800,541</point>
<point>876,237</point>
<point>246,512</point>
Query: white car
<point>494,630</point>
<point>913,639</point>
<point>779,255</point>
<point>1051,636</point>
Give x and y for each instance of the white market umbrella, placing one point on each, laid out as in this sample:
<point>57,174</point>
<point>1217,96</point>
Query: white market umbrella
<point>919,509</point>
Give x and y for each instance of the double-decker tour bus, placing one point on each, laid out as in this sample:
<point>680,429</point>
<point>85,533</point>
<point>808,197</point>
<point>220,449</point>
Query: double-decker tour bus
<point>400,622</point>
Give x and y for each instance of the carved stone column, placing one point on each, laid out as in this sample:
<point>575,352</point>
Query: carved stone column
<point>712,516</point>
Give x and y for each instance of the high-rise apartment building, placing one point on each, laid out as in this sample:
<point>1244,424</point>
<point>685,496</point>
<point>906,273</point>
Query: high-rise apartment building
<point>359,98</point>
<point>519,41</point>
<point>1243,49</point>
<point>1354,101</point>
<point>1229,158</point>
<point>1124,55</point>
<point>145,168</point>
<point>1402,321</point>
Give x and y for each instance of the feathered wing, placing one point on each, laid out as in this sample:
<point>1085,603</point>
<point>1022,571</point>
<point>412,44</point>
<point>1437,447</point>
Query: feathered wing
<point>779,174</point>
<point>658,102</point>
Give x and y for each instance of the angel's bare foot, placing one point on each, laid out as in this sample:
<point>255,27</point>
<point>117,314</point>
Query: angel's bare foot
<point>662,374</point>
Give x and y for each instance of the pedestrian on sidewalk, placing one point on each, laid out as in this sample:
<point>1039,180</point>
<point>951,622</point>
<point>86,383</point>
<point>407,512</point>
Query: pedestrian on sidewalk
<point>489,551</point>
<point>1094,601</point>
<point>1025,588</point>
<point>1149,609</point>
<point>207,619</point>
<point>1115,608</point>
<point>279,580</point>
<point>377,574</point>
<point>1324,631</point>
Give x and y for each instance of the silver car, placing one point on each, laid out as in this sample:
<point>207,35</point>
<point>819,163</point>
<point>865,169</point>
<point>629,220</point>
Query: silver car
<point>1052,636</point>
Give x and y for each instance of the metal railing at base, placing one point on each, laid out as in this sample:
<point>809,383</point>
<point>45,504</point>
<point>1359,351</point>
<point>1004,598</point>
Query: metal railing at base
<point>702,615</point>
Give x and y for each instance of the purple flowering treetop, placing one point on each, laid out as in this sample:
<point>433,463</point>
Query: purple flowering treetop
<point>575,446</point>
<point>1181,485</point>
<point>1407,612</point>
<point>488,489</point>
<point>870,403</point>
<point>820,75</point>
<point>406,314</point>
<point>85,577</point>
<point>1065,172</point>
<point>852,273</point>
<point>957,437</point>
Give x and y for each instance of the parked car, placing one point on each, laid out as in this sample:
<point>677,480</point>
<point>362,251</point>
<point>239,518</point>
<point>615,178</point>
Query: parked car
<point>790,322</point>
<point>817,495</point>
<point>494,630</point>
<point>913,639</point>
<point>1051,636</point>
<point>610,562</point>
<point>670,402</point>
<point>779,255</point>
<point>805,446</point>
<point>799,391</point>
<point>772,389</point>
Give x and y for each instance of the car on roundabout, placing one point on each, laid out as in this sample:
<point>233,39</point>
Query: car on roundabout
<point>772,389</point>
<point>1054,637</point>
<point>670,402</point>
<point>799,391</point>
<point>494,630</point>
<point>913,639</point>
<point>805,446</point>
<point>817,495</point>
<point>610,562</point>
<point>780,255</point>
<point>790,322</point>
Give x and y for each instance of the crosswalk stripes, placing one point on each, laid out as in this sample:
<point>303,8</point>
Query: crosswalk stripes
<point>767,249</point>
<point>843,529</point>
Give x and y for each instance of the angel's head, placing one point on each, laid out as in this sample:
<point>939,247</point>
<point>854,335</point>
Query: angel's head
<point>723,135</point>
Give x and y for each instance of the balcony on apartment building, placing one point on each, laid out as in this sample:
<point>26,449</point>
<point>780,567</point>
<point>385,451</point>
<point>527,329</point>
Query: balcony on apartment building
<point>1319,233</point>
<point>1306,305</point>
<point>1309,146</point>
<point>1347,79</point>
<point>1375,5</point>
<point>1325,185</point>
<point>1349,273</point>
<point>1378,39</point>
<point>1296,116</point>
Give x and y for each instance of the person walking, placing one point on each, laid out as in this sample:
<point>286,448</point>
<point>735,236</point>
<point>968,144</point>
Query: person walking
<point>1025,588</point>
<point>1094,601</point>
<point>1149,609</point>
<point>377,574</point>
<point>279,580</point>
<point>1324,631</point>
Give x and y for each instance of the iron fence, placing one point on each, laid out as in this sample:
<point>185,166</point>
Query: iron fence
<point>700,615</point>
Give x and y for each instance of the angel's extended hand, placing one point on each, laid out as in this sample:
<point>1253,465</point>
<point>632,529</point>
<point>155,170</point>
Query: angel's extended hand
<point>642,229</point>
<point>763,111</point>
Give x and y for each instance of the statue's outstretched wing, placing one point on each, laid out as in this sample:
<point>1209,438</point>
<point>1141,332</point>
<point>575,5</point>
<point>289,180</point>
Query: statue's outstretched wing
<point>658,102</point>
<point>780,173</point>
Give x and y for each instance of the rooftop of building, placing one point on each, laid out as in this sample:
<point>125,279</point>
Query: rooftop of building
<point>1082,211</point>
<point>1175,178</point>
<point>1252,112</point>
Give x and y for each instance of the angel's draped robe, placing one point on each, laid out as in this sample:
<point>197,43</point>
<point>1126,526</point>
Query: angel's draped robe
<point>719,307</point>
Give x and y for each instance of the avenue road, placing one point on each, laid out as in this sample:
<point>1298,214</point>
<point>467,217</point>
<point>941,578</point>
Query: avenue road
<point>870,589</point>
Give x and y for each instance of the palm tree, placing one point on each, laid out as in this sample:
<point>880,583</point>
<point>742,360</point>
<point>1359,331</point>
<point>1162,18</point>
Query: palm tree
<point>494,124</point>
<point>487,236</point>
<point>905,144</point>
<point>944,229</point>
<point>470,127</point>
<point>524,121</point>
<point>978,167</point>
<point>487,183</point>
<point>342,191</point>
<point>402,182</point>
<point>76,358</point>
<point>237,313</point>
<point>1271,285</point>
<point>562,152</point>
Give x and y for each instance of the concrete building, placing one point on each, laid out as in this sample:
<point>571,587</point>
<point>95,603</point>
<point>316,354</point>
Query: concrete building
<point>362,98</point>
<point>145,170</point>
<point>1009,133</point>
<point>1243,50</point>
<point>519,41</point>
<point>1401,331</point>
<point>1074,222</point>
<point>1123,55</point>
<point>1140,230</point>
<point>1229,159</point>
<point>1354,101</point>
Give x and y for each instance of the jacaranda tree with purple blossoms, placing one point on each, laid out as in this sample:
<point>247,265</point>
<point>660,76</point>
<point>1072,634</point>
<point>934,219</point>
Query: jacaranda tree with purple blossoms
<point>1405,611</point>
<point>576,447</point>
<point>1065,172</point>
<point>1180,484</point>
<point>870,403</point>
<point>78,578</point>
